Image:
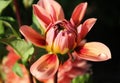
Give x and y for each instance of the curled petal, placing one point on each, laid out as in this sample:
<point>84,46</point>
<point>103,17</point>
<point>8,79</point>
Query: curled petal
<point>61,43</point>
<point>50,35</point>
<point>58,9</point>
<point>46,4</point>
<point>45,67</point>
<point>86,27</point>
<point>53,8</point>
<point>78,13</point>
<point>33,36</point>
<point>41,14</point>
<point>94,51</point>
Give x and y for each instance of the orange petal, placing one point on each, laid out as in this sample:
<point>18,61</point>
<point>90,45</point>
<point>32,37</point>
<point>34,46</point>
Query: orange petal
<point>86,27</point>
<point>78,13</point>
<point>41,14</point>
<point>33,36</point>
<point>45,67</point>
<point>94,51</point>
<point>46,4</point>
<point>53,8</point>
<point>51,80</point>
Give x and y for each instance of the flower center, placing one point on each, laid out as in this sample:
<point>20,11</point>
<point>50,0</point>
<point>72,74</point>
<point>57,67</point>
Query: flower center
<point>61,37</point>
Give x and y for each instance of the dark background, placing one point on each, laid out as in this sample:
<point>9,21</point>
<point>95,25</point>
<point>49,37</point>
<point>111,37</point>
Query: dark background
<point>107,31</point>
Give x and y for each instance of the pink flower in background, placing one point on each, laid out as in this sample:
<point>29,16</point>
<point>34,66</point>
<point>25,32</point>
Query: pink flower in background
<point>62,37</point>
<point>71,69</point>
<point>8,63</point>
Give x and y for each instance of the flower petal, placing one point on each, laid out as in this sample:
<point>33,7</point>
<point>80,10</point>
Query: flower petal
<point>58,9</point>
<point>53,8</point>
<point>51,80</point>
<point>45,67</point>
<point>71,69</point>
<point>33,36</point>
<point>79,28</point>
<point>41,14</point>
<point>94,51</point>
<point>50,35</point>
<point>47,6</point>
<point>86,27</point>
<point>12,57</point>
<point>78,13</point>
<point>60,44</point>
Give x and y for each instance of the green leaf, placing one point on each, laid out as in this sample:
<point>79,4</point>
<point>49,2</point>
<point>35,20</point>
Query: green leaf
<point>4,4</point>
<point>82,79</point>
<point>17,69</point>
<point>12,24</point>
<point>1,28</point>
<point>21,47</point>
<point>8,19</point>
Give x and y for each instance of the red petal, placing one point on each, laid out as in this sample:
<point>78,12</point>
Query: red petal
<point>41,14</point>
<point>94,51</point>
<point>12,57</point>
<point>33,36</point>
<point>78,13</point>
<point>45,67</point>
<point>86,27</point>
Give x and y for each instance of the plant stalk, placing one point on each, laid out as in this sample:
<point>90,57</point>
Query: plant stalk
<point>17,11</point>
<point>56,77</point>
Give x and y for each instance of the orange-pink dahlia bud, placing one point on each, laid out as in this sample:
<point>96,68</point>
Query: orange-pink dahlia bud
<point>61,37</point>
